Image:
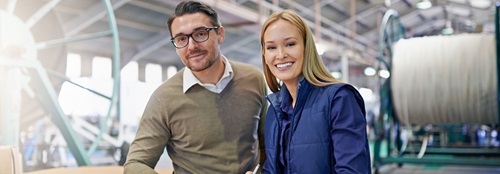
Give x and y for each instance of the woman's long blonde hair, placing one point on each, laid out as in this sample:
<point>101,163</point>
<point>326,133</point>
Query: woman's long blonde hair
<point>313,69</point>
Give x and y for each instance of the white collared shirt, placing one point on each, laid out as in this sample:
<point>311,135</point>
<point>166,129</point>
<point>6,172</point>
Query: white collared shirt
<point>190,80</point>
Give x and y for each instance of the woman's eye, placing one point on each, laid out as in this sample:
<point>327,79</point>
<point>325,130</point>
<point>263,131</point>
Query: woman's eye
<point>270,48</point>
<point>290,44</point>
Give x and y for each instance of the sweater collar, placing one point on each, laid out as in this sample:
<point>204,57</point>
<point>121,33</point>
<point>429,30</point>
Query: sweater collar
<point>189,80</point>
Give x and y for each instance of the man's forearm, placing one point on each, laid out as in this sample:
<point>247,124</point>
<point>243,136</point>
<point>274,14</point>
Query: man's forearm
<point>134,167</point>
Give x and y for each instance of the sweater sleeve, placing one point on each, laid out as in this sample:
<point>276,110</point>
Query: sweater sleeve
<point>262,148</point>
<point>262,121</point>
<point>348,132</point>
<point>150,141</point>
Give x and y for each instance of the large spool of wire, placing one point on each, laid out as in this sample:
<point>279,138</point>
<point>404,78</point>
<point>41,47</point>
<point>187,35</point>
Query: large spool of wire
<point>445,79</point>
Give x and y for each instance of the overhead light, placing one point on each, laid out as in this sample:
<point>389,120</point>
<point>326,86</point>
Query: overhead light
<point>424,4</point>
<point>369,71</point>
<point>388,3</point>
<point>384,73</point>
<point>480,3</point>
<point>336,74</point>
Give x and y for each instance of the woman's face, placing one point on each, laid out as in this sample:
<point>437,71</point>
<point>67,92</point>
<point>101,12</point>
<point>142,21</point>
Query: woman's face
<point>284,51</point>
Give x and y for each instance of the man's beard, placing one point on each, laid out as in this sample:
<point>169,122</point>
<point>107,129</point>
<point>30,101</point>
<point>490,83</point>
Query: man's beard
<point>209,62</point>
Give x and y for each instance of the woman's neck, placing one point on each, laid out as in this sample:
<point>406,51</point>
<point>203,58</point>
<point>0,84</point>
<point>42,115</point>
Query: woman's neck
<point>292,90</point>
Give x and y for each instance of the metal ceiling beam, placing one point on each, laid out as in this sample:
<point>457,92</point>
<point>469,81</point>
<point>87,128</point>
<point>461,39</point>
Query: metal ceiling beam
<point>248,16</point>
<point>408,3</point>
<point>417,14</point>
<point>152,7</point>
<point>328,22</point>
<point>120,21</point>
<point>137,25</point>
<point>247,51</point>
<point>405,17</point>
<point>41,12</point>
<point>231,8</point>
<point>362,15</point>
<point>93,14</point>
<point>151,44</point>
<point>468,5</point>
<point>159,40</point>
<point>241,42</point>
<point>430,25</point>
<point>341,9</point>
<point>369,33</point>
<point>322,3</point>
<point>337,27</point>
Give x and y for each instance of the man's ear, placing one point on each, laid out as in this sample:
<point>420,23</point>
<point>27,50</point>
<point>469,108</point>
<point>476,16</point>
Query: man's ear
<point>220,38</point>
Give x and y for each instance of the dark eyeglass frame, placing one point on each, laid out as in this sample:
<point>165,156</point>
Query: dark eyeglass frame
<point>190,35</point>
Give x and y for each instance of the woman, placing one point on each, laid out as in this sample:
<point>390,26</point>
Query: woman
<point>315,123</point>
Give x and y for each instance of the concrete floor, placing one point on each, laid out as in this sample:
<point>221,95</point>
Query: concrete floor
<point>166,163</point>
<point>437,169</point>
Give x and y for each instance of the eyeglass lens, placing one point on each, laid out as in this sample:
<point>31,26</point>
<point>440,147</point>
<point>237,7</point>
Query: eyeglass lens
<point>198,36</point>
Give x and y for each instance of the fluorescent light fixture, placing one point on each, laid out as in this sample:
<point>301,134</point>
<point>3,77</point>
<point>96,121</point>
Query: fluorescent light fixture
<point>424,4</point>
<point>480,3</point>
<point>384,73</point>
<point>369,71</point>
<point>337,74</point>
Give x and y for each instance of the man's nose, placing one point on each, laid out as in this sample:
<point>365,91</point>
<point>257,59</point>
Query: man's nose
<point>192,44</point>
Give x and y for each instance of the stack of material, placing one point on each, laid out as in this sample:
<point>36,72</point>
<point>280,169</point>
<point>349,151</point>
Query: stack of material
<point>445,79</point>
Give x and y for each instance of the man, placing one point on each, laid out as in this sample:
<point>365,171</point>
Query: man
<point>208,115</point>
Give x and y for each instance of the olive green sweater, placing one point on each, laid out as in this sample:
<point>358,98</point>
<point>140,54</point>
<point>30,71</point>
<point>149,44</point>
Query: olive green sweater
<point>204,132</point>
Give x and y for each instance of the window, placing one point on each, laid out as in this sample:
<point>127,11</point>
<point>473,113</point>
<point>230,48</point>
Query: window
<point>73,65</point>
<point>153,73</point>
<point>101,68</point>
<point>130,72</point>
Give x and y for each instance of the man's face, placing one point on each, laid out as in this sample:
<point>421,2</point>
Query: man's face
<point>197,56</point>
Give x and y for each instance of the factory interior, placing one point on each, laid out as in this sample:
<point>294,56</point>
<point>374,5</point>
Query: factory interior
<point>76,75</point>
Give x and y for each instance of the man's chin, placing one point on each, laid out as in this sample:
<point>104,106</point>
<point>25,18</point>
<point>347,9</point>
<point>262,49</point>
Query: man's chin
<point>197,68</point>
<point>200,67</point>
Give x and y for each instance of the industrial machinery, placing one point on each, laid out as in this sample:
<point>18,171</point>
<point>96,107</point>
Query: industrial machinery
<point>32,61</point>
<point>423,122</point>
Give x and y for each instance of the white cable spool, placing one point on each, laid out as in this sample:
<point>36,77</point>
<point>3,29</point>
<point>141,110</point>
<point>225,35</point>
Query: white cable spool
<point>445,79</point>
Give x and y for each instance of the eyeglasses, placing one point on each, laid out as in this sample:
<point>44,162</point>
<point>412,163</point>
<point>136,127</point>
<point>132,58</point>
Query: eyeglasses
<point>199,36</point>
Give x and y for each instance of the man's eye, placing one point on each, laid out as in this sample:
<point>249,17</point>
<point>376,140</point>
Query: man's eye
<point>201,34</point>
<point>181,39</point>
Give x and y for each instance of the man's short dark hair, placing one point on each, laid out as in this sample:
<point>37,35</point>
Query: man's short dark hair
<point>192,7</point>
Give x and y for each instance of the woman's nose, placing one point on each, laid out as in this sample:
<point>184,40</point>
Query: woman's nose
<point>281,54</point>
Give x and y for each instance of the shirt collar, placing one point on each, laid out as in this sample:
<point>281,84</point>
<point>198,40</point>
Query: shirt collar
<point>189,80</point>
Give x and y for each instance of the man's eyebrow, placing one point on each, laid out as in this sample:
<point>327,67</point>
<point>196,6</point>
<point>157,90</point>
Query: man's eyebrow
<point>196,29</point>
